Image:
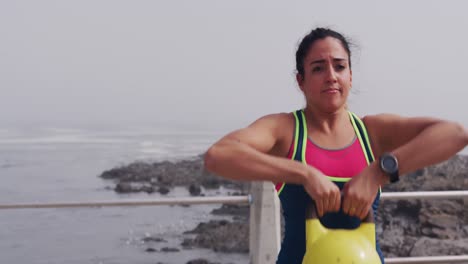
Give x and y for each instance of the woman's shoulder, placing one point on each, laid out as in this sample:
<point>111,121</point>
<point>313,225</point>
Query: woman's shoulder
<point>276,120</point>
<point>383,120</point>
<point>281,116</point>
<point>279,125</point>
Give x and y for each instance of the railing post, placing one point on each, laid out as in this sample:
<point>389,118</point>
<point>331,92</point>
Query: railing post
<point>265,229</point>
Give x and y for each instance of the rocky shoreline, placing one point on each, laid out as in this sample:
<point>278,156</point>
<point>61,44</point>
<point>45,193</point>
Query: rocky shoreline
<point>405,228</point>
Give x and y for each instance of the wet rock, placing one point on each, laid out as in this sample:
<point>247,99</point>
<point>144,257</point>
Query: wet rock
<point>419,227</point>
<point>201,261</point>
<point>153,239</point>
<point>169,249</point>
<point>441,225</point>
<point>198,261</point>
<point>237,210</point>
<point>129,187</point>
<point>163,190</point>
<point>435,247</point>
<point>220,235</point>
<point>194,189</point>
<point>137,171</point>
<point>124,187</point>
<point>448,175</point>
<point>167,174</point>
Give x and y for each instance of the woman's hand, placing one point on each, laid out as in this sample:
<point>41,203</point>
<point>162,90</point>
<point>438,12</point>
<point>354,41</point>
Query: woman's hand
<point>325,193</point>
<point>359,193</point>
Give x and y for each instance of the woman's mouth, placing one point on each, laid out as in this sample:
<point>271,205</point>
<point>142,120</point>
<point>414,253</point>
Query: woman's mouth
<point>331,91</point>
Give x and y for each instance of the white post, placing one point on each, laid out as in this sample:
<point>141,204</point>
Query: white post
<point>265,229</point>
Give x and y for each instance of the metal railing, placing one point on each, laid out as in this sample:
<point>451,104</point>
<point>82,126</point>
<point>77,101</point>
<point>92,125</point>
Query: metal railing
<point>133,202</point>
<point>246,199</point>
<point>428,260</point>
<point>264,244</point>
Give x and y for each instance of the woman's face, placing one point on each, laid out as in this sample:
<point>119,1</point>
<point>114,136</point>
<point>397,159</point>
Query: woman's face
<point>327,77</point>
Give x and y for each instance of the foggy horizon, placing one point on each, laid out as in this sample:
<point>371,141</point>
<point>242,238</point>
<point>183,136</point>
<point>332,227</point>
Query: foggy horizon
<point>219,64</point>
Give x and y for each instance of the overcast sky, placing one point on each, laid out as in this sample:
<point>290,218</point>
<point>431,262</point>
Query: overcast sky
<point>220,63</point>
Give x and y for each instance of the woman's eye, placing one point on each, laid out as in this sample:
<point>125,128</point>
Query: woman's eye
<point>340,67</point>
<point>316,69</point>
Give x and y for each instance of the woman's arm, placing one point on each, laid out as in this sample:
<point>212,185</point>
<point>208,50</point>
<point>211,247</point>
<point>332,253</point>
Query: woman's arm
<point>416,142</point>
<point>258,153</point>
<point>246,154</point>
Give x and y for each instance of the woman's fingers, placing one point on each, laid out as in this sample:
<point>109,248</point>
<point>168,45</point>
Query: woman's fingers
<point>361,210</point>
<point>337,202</point>
<point>347,205</point>
<point>324,192</point>
<point>357,207</point>
<point>319,205</point>
<point>366,212</point>
<point>325,202</point>
<point>332,201</point>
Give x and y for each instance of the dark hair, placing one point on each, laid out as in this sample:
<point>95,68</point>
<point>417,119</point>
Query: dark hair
<point>309,40</point>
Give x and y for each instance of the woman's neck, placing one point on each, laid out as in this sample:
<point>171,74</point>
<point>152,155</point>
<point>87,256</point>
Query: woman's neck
<point>326,122</point>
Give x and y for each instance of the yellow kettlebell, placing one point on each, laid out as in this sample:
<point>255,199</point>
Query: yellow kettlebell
<point>343,246</point>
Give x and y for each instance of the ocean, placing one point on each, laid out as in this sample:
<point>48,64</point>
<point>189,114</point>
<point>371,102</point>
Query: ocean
<point>62,165</point>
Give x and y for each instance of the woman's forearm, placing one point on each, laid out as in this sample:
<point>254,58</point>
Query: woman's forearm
<point>434,144</point>
<point>235,160</point>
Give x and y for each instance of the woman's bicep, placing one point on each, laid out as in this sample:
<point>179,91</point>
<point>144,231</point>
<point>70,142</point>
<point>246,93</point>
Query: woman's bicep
<point>389,131</point>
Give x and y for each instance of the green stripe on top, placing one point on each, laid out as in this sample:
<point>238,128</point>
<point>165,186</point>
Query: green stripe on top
<point>295,143</point>
<point>304,138</point>
<point>282,187</point>
<point>366,136</point>
<point>359,137</point>
<point>364,139</point>
<point>296,135</point>
<point>339,179</point>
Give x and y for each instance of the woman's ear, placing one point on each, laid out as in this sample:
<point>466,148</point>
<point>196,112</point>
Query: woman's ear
<point>300,80</point>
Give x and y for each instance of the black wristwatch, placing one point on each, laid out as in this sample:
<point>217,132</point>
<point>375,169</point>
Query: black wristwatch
<point>389,165</point>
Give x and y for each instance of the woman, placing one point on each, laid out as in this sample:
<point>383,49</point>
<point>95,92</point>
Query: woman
<point>343,160</point>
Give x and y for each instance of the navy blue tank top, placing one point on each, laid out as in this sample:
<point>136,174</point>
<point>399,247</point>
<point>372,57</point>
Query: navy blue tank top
<point>294,199</point>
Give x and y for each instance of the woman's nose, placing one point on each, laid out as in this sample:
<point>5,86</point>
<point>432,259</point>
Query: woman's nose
<point>331,74</point>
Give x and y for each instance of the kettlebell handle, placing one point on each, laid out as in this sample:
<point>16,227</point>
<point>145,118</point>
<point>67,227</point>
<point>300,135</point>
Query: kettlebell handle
<point>311,213</point>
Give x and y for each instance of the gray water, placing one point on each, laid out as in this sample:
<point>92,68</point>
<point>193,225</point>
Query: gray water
<point>52,165</point>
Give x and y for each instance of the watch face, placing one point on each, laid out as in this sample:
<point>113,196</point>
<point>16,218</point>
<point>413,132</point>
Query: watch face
<point>389,164</point>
